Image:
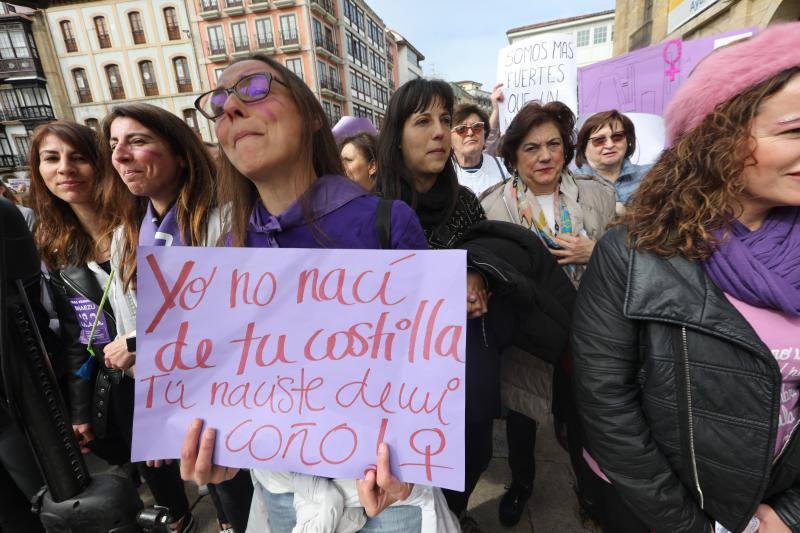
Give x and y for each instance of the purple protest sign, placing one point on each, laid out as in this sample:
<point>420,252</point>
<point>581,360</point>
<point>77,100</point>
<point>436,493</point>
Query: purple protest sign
<point>644,81</point>
<point>305,360</point>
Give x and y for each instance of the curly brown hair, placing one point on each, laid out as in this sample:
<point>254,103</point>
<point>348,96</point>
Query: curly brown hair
<point>694,190</point>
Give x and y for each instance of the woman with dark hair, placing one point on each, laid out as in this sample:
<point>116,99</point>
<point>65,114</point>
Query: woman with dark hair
<point>415,166</point>
<point>568,214</point>
<point>686,337</point>
<point>163,191</point>
<point>605,144</point>
<point>281,177</point>
<point>7,193</point>
<point>359,152</point>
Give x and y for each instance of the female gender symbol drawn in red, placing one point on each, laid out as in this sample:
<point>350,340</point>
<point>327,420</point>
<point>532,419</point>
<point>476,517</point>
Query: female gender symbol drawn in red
<point>672,59</point>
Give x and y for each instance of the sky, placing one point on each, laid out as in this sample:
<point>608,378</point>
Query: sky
<point>460,39</point>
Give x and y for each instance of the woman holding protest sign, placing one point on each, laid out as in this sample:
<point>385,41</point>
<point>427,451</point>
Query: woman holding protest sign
<point>415,166</point>
<point>164,194</point>
<point>686,330</point>
<point>281,176</point>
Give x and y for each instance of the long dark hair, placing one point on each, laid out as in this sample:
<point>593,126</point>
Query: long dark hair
<point>320,149</point>
<point>196,194</point>
<point>412,97</point>
<point>60,237</point>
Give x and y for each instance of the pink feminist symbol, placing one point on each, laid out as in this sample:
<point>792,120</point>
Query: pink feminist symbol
<point>672,59</point>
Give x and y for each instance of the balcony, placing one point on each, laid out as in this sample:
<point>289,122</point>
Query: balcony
<point>84,96</point>
<point>35,112</point>
<point>331,88</point>
<point>217,52</point>
<point>257,6</point>
<point>150,89</point>
<point>13,161</point>
<point>173,33</point>
<point>19,65</point>
<point>265,42</point>
<point>641,37</point>
<point>326,47</point>
<point>209,10</point>
<point>71,44</point>
<point>184,85</point>
<point>138,37</point>
<point>324,8</point>
<point>104,39</point>
<point>117,93</point>
<point>290,41</point>
<point>282,3</point>
<point>234,7</point>
<point>240,49</point>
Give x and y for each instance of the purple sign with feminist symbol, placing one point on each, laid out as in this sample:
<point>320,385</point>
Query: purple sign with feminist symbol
<point>305,360</point>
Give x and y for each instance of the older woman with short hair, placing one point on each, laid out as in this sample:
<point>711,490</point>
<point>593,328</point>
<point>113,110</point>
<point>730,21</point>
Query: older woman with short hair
<point>475,168</point>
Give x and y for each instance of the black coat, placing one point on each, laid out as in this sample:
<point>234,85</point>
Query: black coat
<point>678,395</point>
<point>88,399</point>
<point>530,306</point>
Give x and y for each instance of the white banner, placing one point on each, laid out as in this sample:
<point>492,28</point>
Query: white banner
<point>542,68</point>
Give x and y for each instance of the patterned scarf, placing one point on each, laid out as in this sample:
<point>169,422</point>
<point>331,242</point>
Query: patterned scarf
<point>532,216</point>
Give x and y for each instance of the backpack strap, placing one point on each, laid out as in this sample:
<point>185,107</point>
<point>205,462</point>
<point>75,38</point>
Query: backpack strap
<point>383,223</point>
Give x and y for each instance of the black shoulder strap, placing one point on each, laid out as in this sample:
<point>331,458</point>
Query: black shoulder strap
<point>383,223</point>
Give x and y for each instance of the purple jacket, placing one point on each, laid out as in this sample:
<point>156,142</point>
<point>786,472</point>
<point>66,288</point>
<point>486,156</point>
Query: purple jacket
<point>338,214</point>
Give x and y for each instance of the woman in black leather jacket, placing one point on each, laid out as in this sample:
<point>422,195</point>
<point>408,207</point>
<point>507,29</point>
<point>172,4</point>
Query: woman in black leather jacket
<point>686,335</point>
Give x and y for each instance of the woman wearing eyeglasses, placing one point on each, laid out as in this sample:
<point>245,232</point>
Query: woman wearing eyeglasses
<point>568,214</point>
<point>282,177</point>
<point>475,168</point>
<point>605,144</point>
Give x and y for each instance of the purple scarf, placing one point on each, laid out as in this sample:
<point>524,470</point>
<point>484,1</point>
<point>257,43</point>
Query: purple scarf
<point>326,194</point>
<point>762,267</point>
<point>164,233</point>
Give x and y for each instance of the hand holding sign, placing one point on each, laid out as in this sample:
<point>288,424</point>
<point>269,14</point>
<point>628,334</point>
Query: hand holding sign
<point>197,456</point>
<point>379,489</point>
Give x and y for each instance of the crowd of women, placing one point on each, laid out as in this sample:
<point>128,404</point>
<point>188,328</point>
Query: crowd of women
<point>651,314</point>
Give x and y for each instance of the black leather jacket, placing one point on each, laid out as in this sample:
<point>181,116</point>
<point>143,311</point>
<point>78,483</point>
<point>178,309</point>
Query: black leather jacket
<point>678,395</point>
<point>88,400</point>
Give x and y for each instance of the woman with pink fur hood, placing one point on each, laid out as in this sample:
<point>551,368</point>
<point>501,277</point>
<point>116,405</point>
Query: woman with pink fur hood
<point>686,330</point>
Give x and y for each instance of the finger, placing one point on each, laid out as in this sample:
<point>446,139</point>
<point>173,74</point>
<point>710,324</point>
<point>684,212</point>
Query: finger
<point>189,449</point>
<point>560,253</point>
<point>385,479</point>
<point>563,262</point>
<point>204,465</point>
<point>367,492</point>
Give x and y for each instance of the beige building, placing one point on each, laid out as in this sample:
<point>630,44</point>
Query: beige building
<point>594,34</point>
<point>471,92</point>
<point>640,23</point>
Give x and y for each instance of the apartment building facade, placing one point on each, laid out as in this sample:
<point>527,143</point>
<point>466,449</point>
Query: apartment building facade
<point>118,51</point>
<point>303,35</point>
<point>25,98</point>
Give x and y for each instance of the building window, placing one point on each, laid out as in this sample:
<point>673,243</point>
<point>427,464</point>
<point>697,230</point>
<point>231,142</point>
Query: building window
<point>216,40</point>
<point>23,147</point>
<point>582,38</point>
<point>137,30</point>
<point>289,30</point>
<point>82,85</point>
<point>13,44</point>
<point>101,29</point>
<point>209,5</point>
<point>181,66</point>
<point>148,78</point>
<point>600,35</point>
<point>34,102</point>
<point>93,123</point>
<point>190,117</point>
<point>115,82</point>
<point>69,36</point>
<point>218,73</point>
<point>171,19</point>
<point>264,38</point>
<point>240,40</point>
<point>326,107</point>
<point>337,113</point>
<point>296,66</point>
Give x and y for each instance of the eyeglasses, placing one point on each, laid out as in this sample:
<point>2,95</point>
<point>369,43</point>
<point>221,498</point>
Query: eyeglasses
<point>477,129</point>
<point>251,88</point>
<point>600,140</point>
